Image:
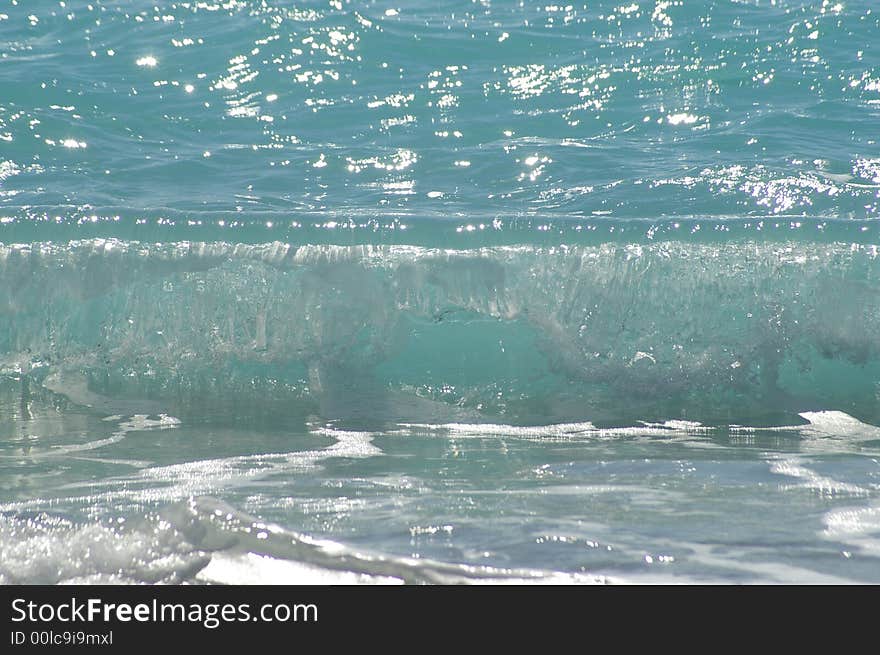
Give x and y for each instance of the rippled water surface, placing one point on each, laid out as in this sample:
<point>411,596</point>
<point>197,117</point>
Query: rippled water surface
<point>439,291</point>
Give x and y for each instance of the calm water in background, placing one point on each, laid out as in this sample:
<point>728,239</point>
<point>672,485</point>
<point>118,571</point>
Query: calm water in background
<point>439,292</point>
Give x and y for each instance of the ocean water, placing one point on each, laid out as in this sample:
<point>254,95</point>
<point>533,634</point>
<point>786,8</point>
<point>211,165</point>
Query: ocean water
<point>440,292</point>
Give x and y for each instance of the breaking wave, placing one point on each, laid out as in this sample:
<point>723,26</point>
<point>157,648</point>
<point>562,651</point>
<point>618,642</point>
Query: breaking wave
<point>676,328</point>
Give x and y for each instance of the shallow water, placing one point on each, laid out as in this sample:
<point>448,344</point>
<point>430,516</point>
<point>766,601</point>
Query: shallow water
<point>443,292</point>
<point>139,499</point>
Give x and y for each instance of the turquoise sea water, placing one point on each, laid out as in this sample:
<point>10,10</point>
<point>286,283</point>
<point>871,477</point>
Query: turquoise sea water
<point>440,291</point>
